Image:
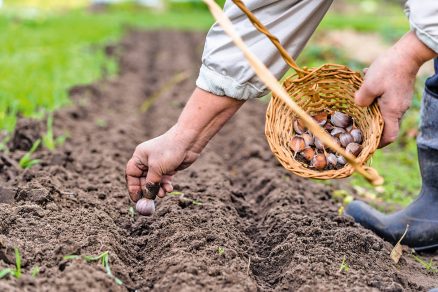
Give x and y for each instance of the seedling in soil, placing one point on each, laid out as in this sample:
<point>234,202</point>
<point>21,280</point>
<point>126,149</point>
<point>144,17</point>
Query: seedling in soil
<point>104,260</point>
<point>429,266</point>
<point>220,250</point>
<point>344,266</point>
<point>35,271</point>
<point>49,140</point>
<point>131,212</point>
<point>176,194</point>
<point>16,272</point>
<point>101,123</point>
<point>26,161</point>
<point>186,200</point>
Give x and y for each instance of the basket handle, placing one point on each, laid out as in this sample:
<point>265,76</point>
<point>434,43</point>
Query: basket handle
<point>261,28</point>
<point>271,82</point>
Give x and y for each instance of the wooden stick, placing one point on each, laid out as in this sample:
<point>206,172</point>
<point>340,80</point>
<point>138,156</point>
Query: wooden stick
<point>271,82</point>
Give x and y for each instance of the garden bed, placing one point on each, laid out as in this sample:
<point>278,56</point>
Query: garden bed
<point>243,223</point>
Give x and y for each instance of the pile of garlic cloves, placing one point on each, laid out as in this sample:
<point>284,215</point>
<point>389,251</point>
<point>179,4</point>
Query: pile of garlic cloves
<point>313,153</point>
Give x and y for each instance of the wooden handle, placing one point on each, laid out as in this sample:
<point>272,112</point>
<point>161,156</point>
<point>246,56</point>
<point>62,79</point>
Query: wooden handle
<point>271,82</point>
<point>261,28</point>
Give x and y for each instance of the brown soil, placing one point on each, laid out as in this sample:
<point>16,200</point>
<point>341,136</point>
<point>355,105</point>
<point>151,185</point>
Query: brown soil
<point>277,231</point>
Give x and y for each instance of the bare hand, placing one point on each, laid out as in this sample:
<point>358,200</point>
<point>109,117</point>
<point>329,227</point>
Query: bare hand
<point>155,162</point>
<point>391,80</point>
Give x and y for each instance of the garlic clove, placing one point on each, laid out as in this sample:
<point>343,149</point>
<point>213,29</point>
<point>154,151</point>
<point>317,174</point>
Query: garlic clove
<point>297,144</point>
<point>337,131</point>
<point>345,139</point>
<point>299,127</point>
<point>308,153</point>
<point>308,139</point>
<point>341,120</point>
<point>341,160</point>
<point>318,144</point>
<point>354,148</point>
<point>332,160</point>
<point>319,161</point>
<point>328,126</point>
<point>320,118</point>
<point>357,135</point>
<point>145,207</point>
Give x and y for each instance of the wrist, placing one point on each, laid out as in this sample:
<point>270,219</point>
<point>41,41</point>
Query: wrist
<point>414,51</point>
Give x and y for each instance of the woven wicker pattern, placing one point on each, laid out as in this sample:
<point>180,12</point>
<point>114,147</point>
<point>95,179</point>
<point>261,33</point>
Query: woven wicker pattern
<point>328,88</point>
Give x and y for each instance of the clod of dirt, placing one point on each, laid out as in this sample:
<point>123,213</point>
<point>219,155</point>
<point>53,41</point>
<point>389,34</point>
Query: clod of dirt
<point>6,195</point>
<point>25,134</point>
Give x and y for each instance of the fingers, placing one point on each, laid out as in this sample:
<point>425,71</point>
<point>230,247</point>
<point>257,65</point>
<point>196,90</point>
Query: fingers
<point>166,183</point>
<point>150,184</point>
<point>366,94</point>
<point>392,113</point>
<point>390,131</point>
<point>132,176</point>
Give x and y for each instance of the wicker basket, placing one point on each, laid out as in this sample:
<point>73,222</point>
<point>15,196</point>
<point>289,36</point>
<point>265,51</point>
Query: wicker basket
<point>329,87</point>
<point>307,92</point>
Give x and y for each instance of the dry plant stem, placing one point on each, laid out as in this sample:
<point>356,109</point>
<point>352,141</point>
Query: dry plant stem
<point>271,82</point>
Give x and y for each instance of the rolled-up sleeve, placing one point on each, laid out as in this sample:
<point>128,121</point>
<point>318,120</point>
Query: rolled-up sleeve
<point>423,18</point>
<point>224,69</point>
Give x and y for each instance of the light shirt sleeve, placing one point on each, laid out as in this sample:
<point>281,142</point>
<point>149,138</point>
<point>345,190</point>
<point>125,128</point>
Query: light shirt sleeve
<point>423,18</point>
<point>224,69</point>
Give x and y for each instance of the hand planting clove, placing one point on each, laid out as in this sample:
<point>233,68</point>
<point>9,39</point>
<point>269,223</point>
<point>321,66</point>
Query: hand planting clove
<point>313,153</point>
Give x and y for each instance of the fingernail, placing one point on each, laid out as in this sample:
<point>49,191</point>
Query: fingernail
<point>151,190</point>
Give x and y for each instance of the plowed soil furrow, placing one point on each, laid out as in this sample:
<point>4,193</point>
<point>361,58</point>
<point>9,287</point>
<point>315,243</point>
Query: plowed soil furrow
<point>253,226</point>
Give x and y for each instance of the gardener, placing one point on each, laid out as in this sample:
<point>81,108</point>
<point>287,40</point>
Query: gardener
<point>226,81</point>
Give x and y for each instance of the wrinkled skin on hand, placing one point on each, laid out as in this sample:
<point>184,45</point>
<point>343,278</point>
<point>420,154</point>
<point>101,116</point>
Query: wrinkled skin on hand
<point>390,79</point>
<point>156,161</point>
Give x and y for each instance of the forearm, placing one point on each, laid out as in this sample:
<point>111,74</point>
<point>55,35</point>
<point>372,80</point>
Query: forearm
<point>203,116</point>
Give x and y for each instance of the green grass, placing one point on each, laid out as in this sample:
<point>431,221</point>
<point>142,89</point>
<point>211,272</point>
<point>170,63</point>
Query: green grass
<point>14,272</point>
<point>27,161</point>
<point>383,17</point>
<point>44,54</point>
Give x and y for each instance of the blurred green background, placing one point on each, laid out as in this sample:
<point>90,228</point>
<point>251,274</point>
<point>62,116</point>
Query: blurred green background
<point>47,46</point>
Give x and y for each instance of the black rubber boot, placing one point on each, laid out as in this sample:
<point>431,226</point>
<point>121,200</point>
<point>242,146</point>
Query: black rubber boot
<point>422,214</point>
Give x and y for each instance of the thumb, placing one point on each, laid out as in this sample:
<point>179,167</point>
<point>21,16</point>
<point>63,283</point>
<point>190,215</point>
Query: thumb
<point>365,95</point>
<point>151,184</point>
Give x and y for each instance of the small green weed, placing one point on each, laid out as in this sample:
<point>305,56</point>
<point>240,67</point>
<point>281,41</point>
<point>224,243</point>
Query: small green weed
<point>15,272</point>
<point>35,271</point>
<point>26,161</point>
<point>49,140</point>
<point>428,265</point>
<point>131,212</point>
<point>182,198</point>
<point>176,194</point>
<point>104,260</point>
<point>220,250</point>
<point>344,266</point>
<point>101,123</point>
